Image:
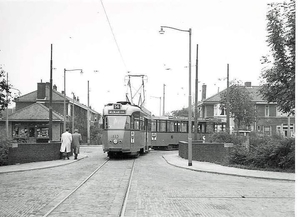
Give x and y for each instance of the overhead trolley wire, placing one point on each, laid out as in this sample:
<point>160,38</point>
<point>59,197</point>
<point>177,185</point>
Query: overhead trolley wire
<point>111,29</point>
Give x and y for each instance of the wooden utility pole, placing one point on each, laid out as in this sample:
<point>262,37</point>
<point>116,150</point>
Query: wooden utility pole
<point>227,103</point>
<point>88,114</point>
<point>50,100</point>
<point>7,133</point>
<point>164,99</point>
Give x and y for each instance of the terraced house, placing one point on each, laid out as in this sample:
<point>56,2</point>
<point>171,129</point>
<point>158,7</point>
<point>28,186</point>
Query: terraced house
<point>269,119</point>
<point>30,120</point>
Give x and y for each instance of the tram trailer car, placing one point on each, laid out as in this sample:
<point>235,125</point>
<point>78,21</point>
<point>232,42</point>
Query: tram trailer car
<point>168,132</point>
<point>126,129</point>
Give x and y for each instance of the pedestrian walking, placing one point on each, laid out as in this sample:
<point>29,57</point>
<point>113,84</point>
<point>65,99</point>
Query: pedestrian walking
<point>65,148</point>
<point>76,141</point>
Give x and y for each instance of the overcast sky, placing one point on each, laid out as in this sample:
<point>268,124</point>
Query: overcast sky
<point>227,31</point>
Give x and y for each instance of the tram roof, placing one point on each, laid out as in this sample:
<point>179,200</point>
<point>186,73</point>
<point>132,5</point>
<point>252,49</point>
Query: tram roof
<point>122,108</point>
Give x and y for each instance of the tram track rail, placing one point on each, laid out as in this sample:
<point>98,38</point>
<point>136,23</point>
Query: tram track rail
<point>124,201</point>
<point>75,189</point>
<point>127,191</point>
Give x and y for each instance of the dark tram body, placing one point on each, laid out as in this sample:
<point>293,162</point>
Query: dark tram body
<point>166,132</point>
<point>126,129</point>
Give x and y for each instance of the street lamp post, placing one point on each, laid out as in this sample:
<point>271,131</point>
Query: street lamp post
<point>190,89</point>
<point>67,70</point>
<point>73,113</point>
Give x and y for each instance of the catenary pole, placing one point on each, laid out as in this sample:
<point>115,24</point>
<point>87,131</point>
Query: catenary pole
<point>196,98</point>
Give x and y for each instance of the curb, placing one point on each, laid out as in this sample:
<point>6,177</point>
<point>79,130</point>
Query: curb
<point>44,167</point>
<point>228,174</point>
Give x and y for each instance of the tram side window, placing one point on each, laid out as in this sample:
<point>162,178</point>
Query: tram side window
<point>153,126</point>
<point>178,126</point>
<point>127,123</point>
<point>171,126</point>
<point>184,126</point>
<point>142,124</point>
<point>162,125</point>
<point>136,123</point>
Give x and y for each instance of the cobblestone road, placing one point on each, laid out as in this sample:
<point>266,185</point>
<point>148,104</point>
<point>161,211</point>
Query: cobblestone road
<point>163,190</point>
<point>158,189</point>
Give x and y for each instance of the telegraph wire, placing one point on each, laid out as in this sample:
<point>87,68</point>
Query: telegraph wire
<point>111,29</point>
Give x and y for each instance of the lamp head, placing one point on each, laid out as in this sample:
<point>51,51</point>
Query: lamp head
<point>161,31</point>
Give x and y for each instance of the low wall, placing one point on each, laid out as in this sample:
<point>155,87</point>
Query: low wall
<point>208,152</point>
<point>33,152</point>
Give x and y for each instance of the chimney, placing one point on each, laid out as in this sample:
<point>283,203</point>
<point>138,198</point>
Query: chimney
<point>77,98</point>
<point>54,87</point>
<point>248,84</point>
<point>41,90</point>
<point>62,92</point>
<point>203,92</point>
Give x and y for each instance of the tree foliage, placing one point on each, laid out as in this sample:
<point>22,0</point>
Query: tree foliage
<point>4,90</point>
<point>278,75</point>
<point>184,112</point>
<point>241,107</point>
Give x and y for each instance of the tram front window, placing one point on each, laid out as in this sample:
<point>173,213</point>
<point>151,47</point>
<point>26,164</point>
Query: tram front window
<point>117,122</point>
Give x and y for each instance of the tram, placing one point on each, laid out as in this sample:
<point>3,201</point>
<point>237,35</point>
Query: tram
<point>166,132</point>
<point>126,129</point>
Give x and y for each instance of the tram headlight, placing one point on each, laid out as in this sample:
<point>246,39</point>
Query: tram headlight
<point>115,141</point>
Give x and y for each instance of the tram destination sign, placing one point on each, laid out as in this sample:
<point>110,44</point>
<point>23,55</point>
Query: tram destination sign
<point>116,112</point>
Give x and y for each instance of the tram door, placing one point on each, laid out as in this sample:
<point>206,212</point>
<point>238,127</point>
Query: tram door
<point>147,129</point>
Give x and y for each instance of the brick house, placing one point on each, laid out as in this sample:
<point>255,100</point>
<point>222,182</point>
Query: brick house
<point>269,120</point>
<point>32,114</point>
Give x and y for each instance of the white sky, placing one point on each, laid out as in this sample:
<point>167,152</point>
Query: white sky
<point>227,31</point>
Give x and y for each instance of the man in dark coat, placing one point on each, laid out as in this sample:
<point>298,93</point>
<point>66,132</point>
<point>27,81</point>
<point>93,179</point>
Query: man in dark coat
<point>76,141</point>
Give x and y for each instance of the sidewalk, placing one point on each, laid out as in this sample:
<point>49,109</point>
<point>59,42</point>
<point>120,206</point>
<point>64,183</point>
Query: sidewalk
<point>38,165</point>
<point>175,160</point>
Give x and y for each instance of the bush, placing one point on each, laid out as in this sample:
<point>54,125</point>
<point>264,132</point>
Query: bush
<point>266,152</point>
<point>96,135</point>
<point>227,138</point>
<point>4,145</point>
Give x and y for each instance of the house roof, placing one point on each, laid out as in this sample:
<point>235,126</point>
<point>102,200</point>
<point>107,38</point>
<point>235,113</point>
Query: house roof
<point>253,91</point>
<point>56,96</point>
<point>34,112</point>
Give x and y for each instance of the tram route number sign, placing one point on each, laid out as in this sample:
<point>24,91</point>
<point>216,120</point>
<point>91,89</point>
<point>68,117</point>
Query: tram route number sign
<point>117,106</point>
<point>116,112</point>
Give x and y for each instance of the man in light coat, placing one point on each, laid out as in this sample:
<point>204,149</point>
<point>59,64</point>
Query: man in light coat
<point>76,141</point>
<point>65,148</point>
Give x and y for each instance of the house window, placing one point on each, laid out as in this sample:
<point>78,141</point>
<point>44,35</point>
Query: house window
<point>216,110</point>
<point>267,111</point>
<point>222,111</point>
<point>267,130</point>
<point>200,112</point>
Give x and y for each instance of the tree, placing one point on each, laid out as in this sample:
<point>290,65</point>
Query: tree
<point>4,90</point>
<point>241,107</point>
<point>278,75</point>
<point>184,112</point>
